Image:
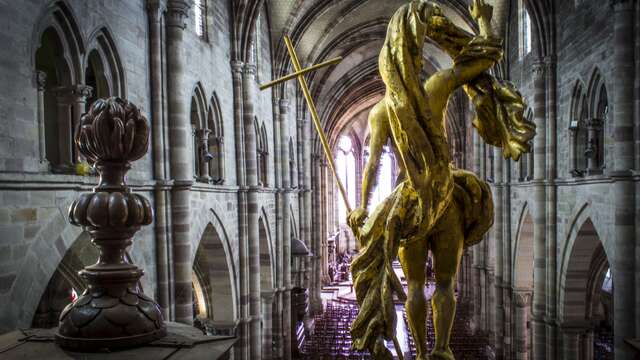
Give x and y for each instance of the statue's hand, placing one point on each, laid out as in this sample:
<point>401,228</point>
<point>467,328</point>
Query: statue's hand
<point>357,217</point>
<point>481,11</point>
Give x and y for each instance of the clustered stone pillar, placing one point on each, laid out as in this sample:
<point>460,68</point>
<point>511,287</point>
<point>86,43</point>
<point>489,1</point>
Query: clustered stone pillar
<point>624,316</point>
<point>498,319</point>
<point>540,220</point>
<point>242,346</point>
<point>154,12</point>
<point>267,324</point>
<point>180,160</point>
<point>253,216</point>
<point>283,340</point>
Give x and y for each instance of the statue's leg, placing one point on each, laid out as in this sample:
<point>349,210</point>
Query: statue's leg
<point>413,258</point>
<point>446,244</point>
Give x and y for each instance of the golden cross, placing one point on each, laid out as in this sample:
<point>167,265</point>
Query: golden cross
<point>299,73</point>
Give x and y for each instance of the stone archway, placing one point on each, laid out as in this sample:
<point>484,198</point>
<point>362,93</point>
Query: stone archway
<point>65,284</point>
<point>214,307</point>
<point>523,286</point>
<point>585,296</point>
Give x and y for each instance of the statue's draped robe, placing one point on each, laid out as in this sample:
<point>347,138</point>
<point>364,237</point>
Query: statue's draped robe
<point>431,183</point>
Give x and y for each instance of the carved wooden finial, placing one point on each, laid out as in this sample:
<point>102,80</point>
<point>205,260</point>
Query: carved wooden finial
<point>112,312</point>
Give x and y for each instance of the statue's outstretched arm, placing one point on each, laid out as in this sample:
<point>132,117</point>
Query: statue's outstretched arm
<point>499,106</point>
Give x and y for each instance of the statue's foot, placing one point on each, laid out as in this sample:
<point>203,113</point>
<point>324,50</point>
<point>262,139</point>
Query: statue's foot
<point>442,355</point>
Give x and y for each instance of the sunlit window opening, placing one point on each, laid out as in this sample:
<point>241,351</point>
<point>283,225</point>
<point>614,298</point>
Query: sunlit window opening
<point>525,31</point>
<point>607,283</point>
<point>346,168</point>
<point>385,179</point>
<point>199,8</point>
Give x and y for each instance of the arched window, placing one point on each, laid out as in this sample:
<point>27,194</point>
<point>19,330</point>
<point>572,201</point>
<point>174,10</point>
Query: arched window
<point>200,18</point>
<point>200,136</point>
<point>346,169</point>
<point>599,106</point>
<point>216,141</point>
<point>525,30</point>
<point>61,94</point>
<point>578,131</point>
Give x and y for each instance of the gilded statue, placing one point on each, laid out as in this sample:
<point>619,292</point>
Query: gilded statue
<point>434,205</point>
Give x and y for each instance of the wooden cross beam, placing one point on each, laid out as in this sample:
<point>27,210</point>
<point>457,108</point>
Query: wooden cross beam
<point>299,73</point>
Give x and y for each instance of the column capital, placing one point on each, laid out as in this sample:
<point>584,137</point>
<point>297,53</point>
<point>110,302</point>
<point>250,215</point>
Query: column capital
<point>156,7</point>
<point>74,92</point>
<point>538,67</point>
<point>522,298</point>
<point>267,295</point>
<point>237,66</point>
<point>250,69</point>
<point>41,79</point>
<point>284,105</point>
<point>177,12</point>
<point>202,133</point>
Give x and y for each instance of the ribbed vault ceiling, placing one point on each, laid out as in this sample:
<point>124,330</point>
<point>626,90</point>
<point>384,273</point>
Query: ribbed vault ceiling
<point>355,30</point>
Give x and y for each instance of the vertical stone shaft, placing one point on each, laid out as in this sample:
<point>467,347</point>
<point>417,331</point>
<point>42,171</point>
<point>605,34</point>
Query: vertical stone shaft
<point>242,346</point>
<point>507,261</point>
<point>284,330</point>
<point>477,254</point>
<point>539,224</point>
<point>499,252</point>
<point>41,79</point>
<point>180,160</point>
<point>624,317</point>
<point>522,300</point>
<point>551,205</point>
<point>253,216</point>
<point>267,323</point>
<point>154,12</point>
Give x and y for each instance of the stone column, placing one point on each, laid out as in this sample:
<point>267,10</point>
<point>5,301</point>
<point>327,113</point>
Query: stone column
<point>241,349</point>
<point>572,343</point>
<point>79,94</point>
<point>540,220</point>
<point>253,215</point>
<point>573,156</point>
<point>267,324</point>
<point>551,208</point>
<point>498,234</point>
<point>202,141</point>
<point>522,302</point>
<point>41,79</point>
<point>65,133</point>
<point>283,332</point>
<point>624,312</point>
<point>180,160</point>
<point>154,14</point>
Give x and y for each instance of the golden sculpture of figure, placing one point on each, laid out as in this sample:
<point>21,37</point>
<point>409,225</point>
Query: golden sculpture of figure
<point>434,205</point>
